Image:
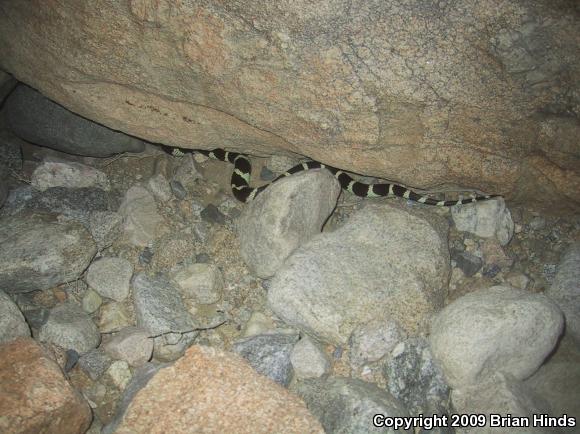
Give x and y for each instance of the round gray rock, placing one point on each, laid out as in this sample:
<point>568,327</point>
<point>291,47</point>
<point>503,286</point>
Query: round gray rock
<point>345,405</point>
<point>160,311</point>
<point>69,327</point>
<point>202,282</point>
<point>386,262</point>
<point>308,359</point>
<point>110,277</point>
<point>12,322</point>
<point>496,329</point>
<point>131,344</point>
<point>284,217</point>
<point>39,252</point>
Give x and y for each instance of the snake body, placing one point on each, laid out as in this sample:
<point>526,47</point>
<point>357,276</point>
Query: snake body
<point>241,189</point>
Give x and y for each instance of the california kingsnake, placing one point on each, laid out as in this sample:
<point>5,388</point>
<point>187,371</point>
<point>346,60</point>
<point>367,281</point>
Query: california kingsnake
<point>244,193</point>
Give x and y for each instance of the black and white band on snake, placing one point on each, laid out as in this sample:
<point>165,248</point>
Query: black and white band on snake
<point>242,190</point>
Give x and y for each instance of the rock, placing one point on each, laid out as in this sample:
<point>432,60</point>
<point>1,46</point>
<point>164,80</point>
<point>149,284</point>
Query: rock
<point>141,218</point>
<point>372,341</point>
<point>72,358</point>
<point>266,174</point>
<point>68,175</point>
<point>34,395</point>
<point>494,257</point>
<point>334,83</point>
<point>12,322</point>
<point>113,317</point>
<point>269,355</point>
<point>308,360</point>
<point>558,383</point>
<point>345,405</point>
<point>91,301</point>
<point>187,397</point>
<point>212,214</point>
<point>17,200</point>
<point>173,248</point>
<point>4,190</point>
<point>372,268</point>
<point>202,282</point>
<point>186,175</point>
<point>140,378</point>
<point>537,223</point>
<point>565,290</point>
<point>96,427</point>
<point>36,317</point>
<point>160,311</point>
<point>76,204</point>
<point>37,119</point>
<point>258,324</point>
<point>500,395</point>
<point>485,219</point>
<point>119,373</point>
<point>499,329</point>
<point>95,363</point>
<point>110,277</point>
<point>415,379</point>
<point>146,256</point>
<point>10,152</point>
<point>105,227</point>
<point>131,344</point>
<point>39,252</point>
<point>10,160</point>
<point>468,263</point>
<point>284,217</point>
<point>518,280</point>
<point>159,186</point>
<point>69,327</point>
<point>178,190</point>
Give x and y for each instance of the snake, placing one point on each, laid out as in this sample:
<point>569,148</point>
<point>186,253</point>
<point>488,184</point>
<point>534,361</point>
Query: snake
<point>242,191</point>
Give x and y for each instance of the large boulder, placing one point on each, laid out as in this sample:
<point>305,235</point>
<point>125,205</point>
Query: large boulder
<point>37,119</point>
<point>39,252</point>
<point>211,391</point>
<point>387,263</point>
<point>498,329</point>
<point>480,94</point>
<point>35,397</point>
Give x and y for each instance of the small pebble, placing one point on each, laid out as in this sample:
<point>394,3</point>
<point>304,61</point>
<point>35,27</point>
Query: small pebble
<point>266,174</point>
<point>202,258</point>
<point>146,256</point>
<point>120,373</point>
<point>212,214</point>
<point>91,301</point>
<point>72,357</point>
<point>178,190</point>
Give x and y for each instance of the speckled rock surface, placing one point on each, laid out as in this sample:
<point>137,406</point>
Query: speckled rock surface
<point>39,252</point>
<point>34,395</point>
<point>499,329</point>
<point>479,94</point>
<point>12,322</point>
<point>285,216</point>
<point>211,391</point>
<point>341,279</point>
